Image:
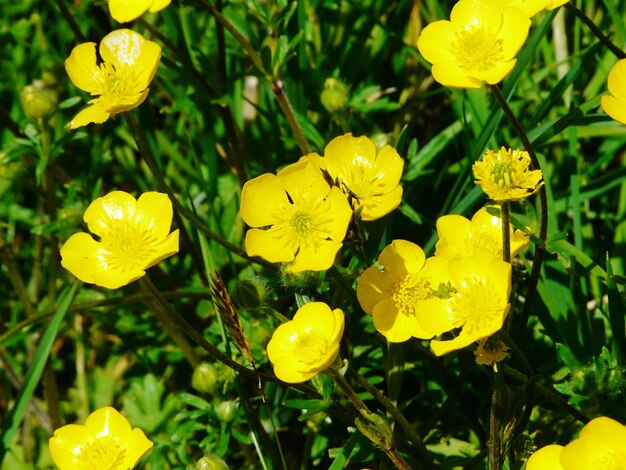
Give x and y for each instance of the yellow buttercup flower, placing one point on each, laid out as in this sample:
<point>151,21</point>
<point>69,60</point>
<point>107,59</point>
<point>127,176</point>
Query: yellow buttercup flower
<point>505,175</point>
<point>128,10</point>
<point>478,45</point>
<point>134,235</point>
<point>531,7</point>
<point>615,104</point>
<point>308,344</point>
<point>458,235</point>
<point>601,445</point>
<point>296,217</point>
<point>401,293</point>
<point>371,180</point>
<point>105,442</point>
<point>479,299</point>
<point>120,81</point>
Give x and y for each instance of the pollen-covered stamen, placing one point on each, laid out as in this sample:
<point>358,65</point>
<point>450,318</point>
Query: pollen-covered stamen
<point>409,291</point>
<point>300,222</point>
<point>310,347</point>
<point>116,81</point>
<point>128,247</point>
<point>477,49</point>
<point>477,305</point>
<point>103,453</point>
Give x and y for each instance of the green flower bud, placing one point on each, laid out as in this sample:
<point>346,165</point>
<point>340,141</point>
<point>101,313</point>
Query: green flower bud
<point>335,95</point>
<point>226,411</point>
<point>212,379</point>
<point>38,100</point>
<point>209,462</point>
<point>250,294</point>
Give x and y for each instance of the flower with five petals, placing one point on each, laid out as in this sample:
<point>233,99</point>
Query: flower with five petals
<point>120,81</point>
<point>478,45</point>
<point>134,235</point>
<point>105,442</point>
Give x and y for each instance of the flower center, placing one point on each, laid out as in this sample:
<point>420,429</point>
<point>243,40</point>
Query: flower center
<point>478,306</point>
<point>504,174</point>
<point>310,347</point>
<point>409,291</point>
<point>300,222</point>
<point>128,246</point>
<point>477,49</point>
<point>103,453</point>
<point>115,82</point>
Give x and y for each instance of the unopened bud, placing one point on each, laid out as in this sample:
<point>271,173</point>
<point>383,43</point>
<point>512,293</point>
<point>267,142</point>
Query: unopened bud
<point>226,411</point>
<point>38,101</point>
<point>335,95</point>
<point>209,462</point>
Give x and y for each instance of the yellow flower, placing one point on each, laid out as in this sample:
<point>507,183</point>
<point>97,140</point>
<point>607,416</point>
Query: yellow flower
<point>505,175</point>
<point>121,80</point>
<point>134,235</point>
<point>478,45</point>
<point>490,351</point>
<point>615,104</point>
<point>400,293</point>
<point>296,217</point>
<point>479,301</point>
<point>531,7</point>
<point>600,446</point>
<point>105,442</point>
<point>124,11</point>
<point>308,344</point>
<point>457,235</point>
<point>370,179</point>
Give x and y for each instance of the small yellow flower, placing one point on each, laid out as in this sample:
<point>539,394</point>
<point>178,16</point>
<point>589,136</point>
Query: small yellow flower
<point>479,301</point>
<point>478,45</point>
<point>129,63</point>
<point>457,235</point>
<point>134,235</point>
<point>105,442</point>
<point>601,445</point>
<point>370,179</point>
<point>615,104</point>
<point>296,217</point>
<point>400,293</point>
<point>124,11</point>
<point>308,344</point>
<point>490,351</point>
<point>505,175</point>
<point>531,7</point>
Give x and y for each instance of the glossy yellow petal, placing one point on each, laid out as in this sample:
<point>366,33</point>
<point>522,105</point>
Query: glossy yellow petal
<point>434,316</point>
<point>319,256</point>
<point>146,65</point>
<point>319,317</point>
<point>614,108</point>
<point>515,26</point>
<point>342,151</point>
<point>137,445</point>
<point>82,68</point>
<point>454,232</point>
<point>373,286</point>
<point>287,370</point>
<point>121,48</point>
<point>335,215</point>
<point>401,257</point>
<point>434,42</point>
<point>95,113</point>
<point>477,12</point>
<point>282,342</point>
<point>66,443</point>
<point>81,255</point>
<point>555,4</point>
<point>303,182</point>
<point>452,75</point>
<point>119,104</point>
<point>260,199</point>
<point>601,445</point>
<point>389,322</point>
<point>165,249</point>
<point>617,80</point>
<point>497,73</point>
<point>375,207</point>
<point>124,11</point>
<point>390,166</point>
<point>113,278</point>
<point>273,245</point>
<point>103,211</point>
<point>107,421</point>
<point>444,347</point>
<point>158,5</point>
<point>154,214</point>
<point>546,458</point>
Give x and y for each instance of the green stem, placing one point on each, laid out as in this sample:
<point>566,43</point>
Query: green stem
<point>494,453</point>
<point>278,87</point>
<point>620,54</point>
<point>505,213</point>
<point>543,213</point>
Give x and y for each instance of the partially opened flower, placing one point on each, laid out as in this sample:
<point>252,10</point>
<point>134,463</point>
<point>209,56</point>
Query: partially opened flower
<point>120,81</point>
<point>601,445</point>
<point>506,175</point>
<point>128,10</point>
<point>402,293</point>
<point>457,235</point>
<point>479,301</point>
<point>478,45</point>
<point>308,344</point>
<point>531,7</point>
<point>615,104</point>
<point>105,442</point>
<point>134,235</point>
<point>296,217</point>
<point>371,179</point>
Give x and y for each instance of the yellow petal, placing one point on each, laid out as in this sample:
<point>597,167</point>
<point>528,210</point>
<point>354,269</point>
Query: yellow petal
<point>337,205</point>
<point>261,198</point>
<point>158,5</point>
<point>515,26</point>
<point>402,257</point>
<point>435,41</point>
<point>115,206</point>
<point>344,151</point>
<point>124,11</point>
<point>546,458</point>
<point>476,12</point>
<point>376,207</point>
<point>316,257</point>
<point>137,444</point>
<point>555,4</point>
<point>288,370</point>
<point>124,48</point>
<point>107,421</point>
<point>434,316</point>
<point>444,347</point>
<point>373,286</point>
<point>282,342</point>
<point>165,249</point>
<point>389,322</point>
<point>147,64</point>
<point>453,231</point>
<point>66,444</point>
<point>450,74</point>
<point>317,316</point>
<point>614,108</point>
<point>80,255</point>
<point>95,113</point>
<point>274,245</point>
<point>154,213</point>
<point>601,441</point>
<point>82,69</point>
<point>118,104</point>
<point>391,166</point>
<point>497,73</point>
<point>301,180</point>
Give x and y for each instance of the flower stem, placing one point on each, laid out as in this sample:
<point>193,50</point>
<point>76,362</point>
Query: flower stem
<point>620,54</point>
<point>494,453</point>
<point>543,205</point>
<point>505,213</point>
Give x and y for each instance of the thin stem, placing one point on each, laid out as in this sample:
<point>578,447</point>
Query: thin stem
<point>278,87</point>
<point>505,214</point>
<point>543,205</point>
<point>620,54</point>
<point>494,447</point>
